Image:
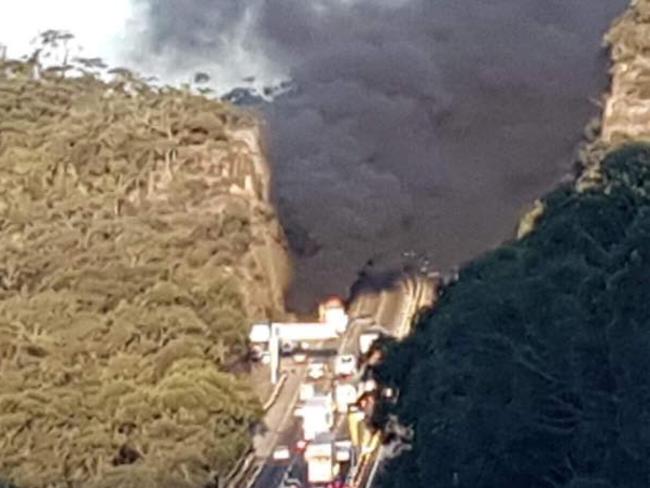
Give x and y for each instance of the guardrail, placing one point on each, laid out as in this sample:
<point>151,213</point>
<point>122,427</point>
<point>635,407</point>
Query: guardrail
<point>245,468</point>
<point>275,393</point>
<point>366,461</point>
<point>375,468</point>
<point>255,474</point>
<point>233,478</point>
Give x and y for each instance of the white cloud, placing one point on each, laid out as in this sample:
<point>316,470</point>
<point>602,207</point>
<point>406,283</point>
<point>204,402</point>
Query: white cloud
<point>99,26</point>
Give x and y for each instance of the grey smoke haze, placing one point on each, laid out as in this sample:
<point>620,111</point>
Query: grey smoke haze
<point>418,125</point>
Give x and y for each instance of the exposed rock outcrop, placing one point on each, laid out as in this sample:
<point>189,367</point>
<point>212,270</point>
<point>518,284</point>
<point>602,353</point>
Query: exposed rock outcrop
<point>626,105</point>
<point>627,111</point>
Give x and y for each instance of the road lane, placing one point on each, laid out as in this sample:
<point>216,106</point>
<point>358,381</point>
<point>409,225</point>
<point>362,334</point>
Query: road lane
<point>365,304</point>
<point>391,308</point>
<point>277,417</point>
<point>424,296</point>
<point>280,428</point>
<point>391,305</point>
<point>270,476</point>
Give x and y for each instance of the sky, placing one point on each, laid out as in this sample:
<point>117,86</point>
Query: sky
<point>418,125</point>
<point>99,26</point>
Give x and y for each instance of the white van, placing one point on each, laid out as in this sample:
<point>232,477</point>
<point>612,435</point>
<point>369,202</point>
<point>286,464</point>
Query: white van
<point>345,365</point>
<point>317,369</point>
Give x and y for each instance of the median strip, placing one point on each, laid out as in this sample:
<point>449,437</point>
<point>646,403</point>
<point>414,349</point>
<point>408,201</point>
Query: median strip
<point>276,392</point>
<point>234,479</point>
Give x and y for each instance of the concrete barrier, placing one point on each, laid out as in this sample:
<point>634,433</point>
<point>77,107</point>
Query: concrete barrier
<point>253,478</point>
<point>236,477</point>
<point>276,392</point>
<point>375,467</point>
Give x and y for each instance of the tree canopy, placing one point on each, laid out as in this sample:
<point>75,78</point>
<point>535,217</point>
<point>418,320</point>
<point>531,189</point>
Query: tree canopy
<point>532,370</point>
<point>131,220</point>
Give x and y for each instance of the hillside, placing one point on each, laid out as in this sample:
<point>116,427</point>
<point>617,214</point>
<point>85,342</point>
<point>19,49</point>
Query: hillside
<point>138,241</point>
<point>532,369</point>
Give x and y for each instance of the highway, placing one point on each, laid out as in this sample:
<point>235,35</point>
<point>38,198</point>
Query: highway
<point>283,429</point>
<point>424,294</point>
<point>391,308</point>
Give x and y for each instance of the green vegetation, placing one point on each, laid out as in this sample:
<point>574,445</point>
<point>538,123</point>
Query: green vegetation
<point>126,279</point>
<point>532,371</point>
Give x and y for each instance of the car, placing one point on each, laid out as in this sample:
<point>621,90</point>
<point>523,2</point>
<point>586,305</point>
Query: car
<point>299,357</point>
<point>281,453</point>
<point>287,348</point>
<point>301,445</point>
<point>317,369</point>
<point>256,352</point>
<point>288,482</point>
<point>345,365</point>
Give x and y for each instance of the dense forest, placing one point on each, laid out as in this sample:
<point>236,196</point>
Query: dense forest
<point>532,370</point>
<point>130,228</point>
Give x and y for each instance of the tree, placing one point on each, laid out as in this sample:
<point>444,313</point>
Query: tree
<point>531,371</point>
<point>120,329</point>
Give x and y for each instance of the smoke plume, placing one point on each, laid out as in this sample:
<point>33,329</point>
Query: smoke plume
<point>417,125</point>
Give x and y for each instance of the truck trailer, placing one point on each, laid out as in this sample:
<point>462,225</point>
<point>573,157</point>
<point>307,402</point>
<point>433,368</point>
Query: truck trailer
<point>320,456</point>
<point>345,393</point>
<point>317,416</point>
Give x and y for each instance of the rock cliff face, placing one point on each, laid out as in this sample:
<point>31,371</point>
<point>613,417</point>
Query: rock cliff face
<point>232,177</point>
<point>627,112</point>
<point>138,243</point>
<point>626,107</point>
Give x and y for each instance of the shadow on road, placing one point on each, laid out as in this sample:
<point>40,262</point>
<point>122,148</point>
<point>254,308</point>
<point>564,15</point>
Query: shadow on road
<point>370,280</point>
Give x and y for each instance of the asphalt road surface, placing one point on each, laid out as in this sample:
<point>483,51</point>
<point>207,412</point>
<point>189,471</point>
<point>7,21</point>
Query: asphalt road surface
<point>392,308</point>
<point>424,295</point>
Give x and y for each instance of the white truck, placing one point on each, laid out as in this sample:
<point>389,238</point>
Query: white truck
<point>345,394</point>
<point>320,456</point>
<point>317,416</point>
<point>311,389</point>
<point>344,450</point>
<point>307,391</point>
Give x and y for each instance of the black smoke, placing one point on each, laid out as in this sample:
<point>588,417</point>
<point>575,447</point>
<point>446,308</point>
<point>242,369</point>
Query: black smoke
<point>424,125</point>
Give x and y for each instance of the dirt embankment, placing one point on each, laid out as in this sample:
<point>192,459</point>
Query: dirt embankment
<point>138,243</point>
